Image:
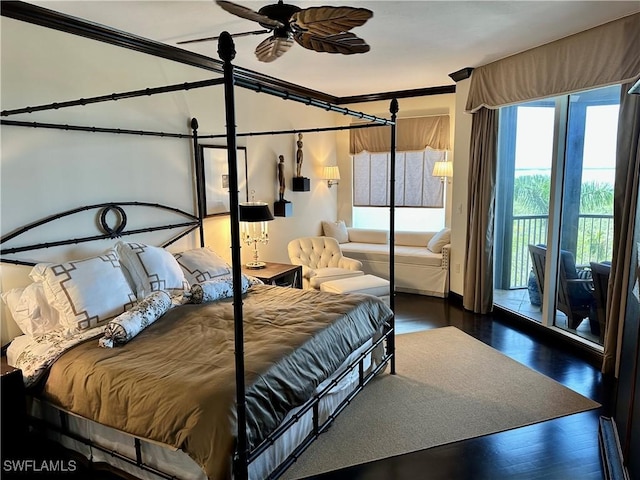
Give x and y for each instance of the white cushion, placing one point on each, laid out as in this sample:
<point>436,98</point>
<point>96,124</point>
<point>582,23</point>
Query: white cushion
<point>152,269</point>
<point>366,235</point>
<point>30,309</point>
<point>337,230</point>
<point>369,284</point>
<point>332,273</point>
<point>202,264</point>
<point>86,293</point>
<point>439,240</point>
<point>413,239</point>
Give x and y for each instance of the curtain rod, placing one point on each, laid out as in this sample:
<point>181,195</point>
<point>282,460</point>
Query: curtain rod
<point>116,96</point>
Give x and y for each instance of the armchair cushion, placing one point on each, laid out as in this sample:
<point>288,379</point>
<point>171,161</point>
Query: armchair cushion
<point>332,273</point>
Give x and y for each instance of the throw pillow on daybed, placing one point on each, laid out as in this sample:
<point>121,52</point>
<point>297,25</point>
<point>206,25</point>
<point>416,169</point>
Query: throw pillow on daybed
<point>439,240</point>
<point>337,230</point>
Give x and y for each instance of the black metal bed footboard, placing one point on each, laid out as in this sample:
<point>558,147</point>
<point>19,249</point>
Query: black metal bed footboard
<point>312,404</point>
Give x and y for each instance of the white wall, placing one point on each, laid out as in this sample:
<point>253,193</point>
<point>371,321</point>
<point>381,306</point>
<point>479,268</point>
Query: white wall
<point>460,192</point>
<point>43,172</point>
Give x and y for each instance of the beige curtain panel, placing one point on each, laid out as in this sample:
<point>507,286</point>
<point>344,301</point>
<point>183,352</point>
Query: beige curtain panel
<point>412,134</point>
<point>601,56</point>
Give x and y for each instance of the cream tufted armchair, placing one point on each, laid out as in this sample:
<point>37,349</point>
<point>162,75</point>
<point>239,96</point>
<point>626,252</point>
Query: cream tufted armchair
<point>321,261</point>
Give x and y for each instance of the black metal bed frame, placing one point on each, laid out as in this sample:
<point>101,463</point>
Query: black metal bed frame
<point>243,455</point>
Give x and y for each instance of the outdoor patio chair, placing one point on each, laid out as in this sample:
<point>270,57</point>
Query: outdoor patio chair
<point>575,297</point>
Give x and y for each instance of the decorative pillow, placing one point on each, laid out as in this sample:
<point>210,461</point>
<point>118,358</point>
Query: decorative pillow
<point>439,240</point>
<point>151,269</point>
<point>126,326</point>
<point>31,311</point>
<point>219,288</point>
<point>337,230</point>
<point>86,293</point>
<point>202,264</point>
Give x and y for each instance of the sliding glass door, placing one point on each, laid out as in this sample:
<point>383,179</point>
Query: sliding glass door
<point>554,208</point>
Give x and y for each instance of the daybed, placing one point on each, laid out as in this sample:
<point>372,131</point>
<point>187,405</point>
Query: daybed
<point>421,258</point>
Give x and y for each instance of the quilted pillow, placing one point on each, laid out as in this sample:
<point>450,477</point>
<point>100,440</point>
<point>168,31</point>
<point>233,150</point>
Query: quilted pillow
<point>30,310</point>
<point>439,240</point>
<point>202,264</point>
<point>337,230</point>
<point>151,269</point>
<point>86,293</point>
<point>126,326</point>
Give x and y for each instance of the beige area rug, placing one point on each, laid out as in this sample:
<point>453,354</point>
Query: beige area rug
<point>448,387</point>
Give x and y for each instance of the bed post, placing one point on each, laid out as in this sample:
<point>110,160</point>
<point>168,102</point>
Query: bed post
<point>391,343</point>
<point>226,51</point>
<point>199,168</point>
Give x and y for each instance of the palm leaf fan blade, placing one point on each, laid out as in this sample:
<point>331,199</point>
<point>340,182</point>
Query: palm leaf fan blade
<point>271,48</point>
<point>330,20</point>
<point>248,14</point>
<point>344,43</point>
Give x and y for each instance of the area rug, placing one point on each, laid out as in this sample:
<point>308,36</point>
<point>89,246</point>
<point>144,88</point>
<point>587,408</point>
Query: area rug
<point>448,387</point>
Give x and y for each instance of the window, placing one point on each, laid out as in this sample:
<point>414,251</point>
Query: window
<point>556,190</point>
<point>419,195</point>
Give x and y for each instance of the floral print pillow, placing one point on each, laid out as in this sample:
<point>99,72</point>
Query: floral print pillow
<point>219,288</point>
<point>126,326</point>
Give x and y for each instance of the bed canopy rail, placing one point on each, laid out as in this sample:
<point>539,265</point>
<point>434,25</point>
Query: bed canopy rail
<point>115,96</point>
<point>226,51</point>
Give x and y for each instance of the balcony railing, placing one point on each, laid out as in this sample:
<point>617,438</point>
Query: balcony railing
<point>594,242</point>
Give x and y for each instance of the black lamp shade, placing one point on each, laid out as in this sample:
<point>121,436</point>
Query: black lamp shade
<point>255,212</point>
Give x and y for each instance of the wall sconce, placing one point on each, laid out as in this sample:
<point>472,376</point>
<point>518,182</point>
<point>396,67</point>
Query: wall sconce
<point>331,175</point>
<point>253,227</point>
<point>443,170</point>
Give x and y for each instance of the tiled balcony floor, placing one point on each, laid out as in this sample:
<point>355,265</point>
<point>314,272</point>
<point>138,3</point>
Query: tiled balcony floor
<point>518,301</point>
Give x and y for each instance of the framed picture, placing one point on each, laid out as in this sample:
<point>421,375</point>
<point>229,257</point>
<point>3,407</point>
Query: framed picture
<point>216,179</point>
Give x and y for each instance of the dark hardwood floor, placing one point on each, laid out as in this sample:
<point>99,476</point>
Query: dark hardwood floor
<point>562,449</point>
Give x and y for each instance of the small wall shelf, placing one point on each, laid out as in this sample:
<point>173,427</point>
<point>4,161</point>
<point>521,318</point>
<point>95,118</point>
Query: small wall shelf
<point>301,184</point>
<point>282,209</point>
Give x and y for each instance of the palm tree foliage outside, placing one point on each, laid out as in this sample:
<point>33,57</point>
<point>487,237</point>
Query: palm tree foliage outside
<point>530,222</point>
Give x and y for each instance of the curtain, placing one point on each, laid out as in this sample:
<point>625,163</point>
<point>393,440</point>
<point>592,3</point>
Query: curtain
<point>626,187</point>
<point>412,134</point>
<point>601,56</point>
<point>478,280</point>
<point>415,185</point>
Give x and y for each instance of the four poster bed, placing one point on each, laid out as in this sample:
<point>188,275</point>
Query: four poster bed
<point>202,377</point>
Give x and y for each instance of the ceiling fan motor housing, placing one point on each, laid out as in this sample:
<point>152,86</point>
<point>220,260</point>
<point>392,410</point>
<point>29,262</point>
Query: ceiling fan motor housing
<point>281,12</point>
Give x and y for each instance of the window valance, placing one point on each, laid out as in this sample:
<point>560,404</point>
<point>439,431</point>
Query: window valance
<point>601,56</point>
<point>413,134</point>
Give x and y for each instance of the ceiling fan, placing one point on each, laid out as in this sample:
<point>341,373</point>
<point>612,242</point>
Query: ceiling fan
<point>323,29</point>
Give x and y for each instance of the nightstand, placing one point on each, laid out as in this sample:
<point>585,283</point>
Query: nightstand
<point>14,404</point>
<point>281,274</point>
